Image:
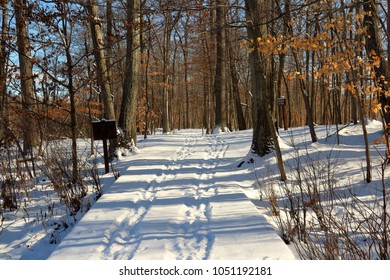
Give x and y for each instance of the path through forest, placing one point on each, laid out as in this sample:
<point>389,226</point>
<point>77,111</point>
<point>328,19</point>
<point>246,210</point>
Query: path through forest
<point>180,198</point>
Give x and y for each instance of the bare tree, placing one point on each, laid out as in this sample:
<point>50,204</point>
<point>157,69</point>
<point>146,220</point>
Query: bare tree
<point>261,142</point>
<point>127,119</point>
<point>299,68</point>
<point>3,67</point>
<point>30,135</point>
<point>184,44</point>
<point>235,80</point>
<point>219,81</point>
<point>65,31</point>
<point>264,134</point>
<point>101,63</point>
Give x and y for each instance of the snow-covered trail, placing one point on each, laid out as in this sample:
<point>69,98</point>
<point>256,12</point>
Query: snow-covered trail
<point>179,199</point>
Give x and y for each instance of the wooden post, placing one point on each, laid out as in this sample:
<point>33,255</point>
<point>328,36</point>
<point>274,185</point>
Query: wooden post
<point>106,157</point>
<point>285,117</point>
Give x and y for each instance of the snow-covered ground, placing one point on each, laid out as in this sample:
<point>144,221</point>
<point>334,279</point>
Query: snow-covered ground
<point>185,196</point>
<point>180,197</point>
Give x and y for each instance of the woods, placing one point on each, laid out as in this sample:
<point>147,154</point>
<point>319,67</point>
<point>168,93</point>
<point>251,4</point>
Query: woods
<point>212,64</point>
<point>218,66</point>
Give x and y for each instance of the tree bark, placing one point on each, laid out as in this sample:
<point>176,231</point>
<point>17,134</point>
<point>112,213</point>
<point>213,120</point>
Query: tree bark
<point>186,82</point>
<point>219,81</point>
<point>207,89</point>
<point>73,116</point>
<point>30,133</point>
<point>166,49</point>
<point>236,96</point>
<point>3,70</point>
<point>127,119</point>
<point>264,134</point>
<point>261,140</point>
<point>359,99</point>
<point>101,64</point>
<point>374,47</point>
<point>100,58</point>
<point>109,39</point>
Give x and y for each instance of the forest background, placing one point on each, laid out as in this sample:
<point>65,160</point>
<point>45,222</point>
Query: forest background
<point>183,64</point>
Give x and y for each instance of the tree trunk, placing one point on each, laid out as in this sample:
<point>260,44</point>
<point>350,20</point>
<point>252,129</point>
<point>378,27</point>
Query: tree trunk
<point>65,34</point>
<point>374,48</point>
<point>146,48</point>
<point>3,69</point>
<point>73,117</point>
<point>165,110</point>
<point>127,119</point>
<point>109,39</point>
<point>90,89</point>
<point>219,67</point>
<point>236,96</point>
<point>388,34</point>
<point>207,89</point>
<point>101,64</point>
<point>302,83</point>
<point>264,130</point>
<point>279,85</point>
<point>359,97</point>
<point>166,49</point>
<point>100,58</point>
<point>261,141</point>
<point>30,133</point>
<point>186,81</point>
<point>184,44</point>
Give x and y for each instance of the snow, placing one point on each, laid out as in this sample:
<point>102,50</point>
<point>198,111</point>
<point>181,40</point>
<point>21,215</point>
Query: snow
<point>182,196</point>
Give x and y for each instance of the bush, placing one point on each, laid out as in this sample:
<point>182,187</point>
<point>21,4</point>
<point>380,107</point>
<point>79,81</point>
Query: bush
<point>15,178</point>
<point>326,220</point>
<point>58,168</point>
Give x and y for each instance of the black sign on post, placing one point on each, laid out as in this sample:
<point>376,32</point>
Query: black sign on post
<point>103,130</point>
<point>282,102</point>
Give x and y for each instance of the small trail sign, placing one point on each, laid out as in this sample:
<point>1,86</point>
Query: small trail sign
<point>282,102</point>
<point>103,130</point>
